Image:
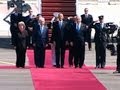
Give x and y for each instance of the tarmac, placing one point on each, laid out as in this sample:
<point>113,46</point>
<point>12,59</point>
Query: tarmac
<point>12,78</point>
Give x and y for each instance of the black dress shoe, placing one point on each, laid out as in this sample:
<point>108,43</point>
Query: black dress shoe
<point>17,66</point>
<point>54,65</point>
<point>57,66</point>
<point>102,66</point>
<point>42,67</point>
<point>39,66</point>
<point>76,66</point>
<point>116,72</point>
<point>23,66</point>
<point>80,66</point>
<point>62,67</point>
<point>70,65</point>
<point>97,67</point>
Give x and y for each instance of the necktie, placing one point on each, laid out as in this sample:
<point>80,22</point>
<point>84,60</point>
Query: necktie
<point>101,25</point>
<point>41,28</point>
<point>86,15</point>
<point>78,27</point>
<point>60,24</point>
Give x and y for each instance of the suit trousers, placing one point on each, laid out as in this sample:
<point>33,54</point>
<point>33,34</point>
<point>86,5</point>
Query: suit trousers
<point>100,49</point>
<point>60,54</point>
<point>88,38</point>
<point>71,55</point>
<point>39,56</point>
<point>79,53</point>
<point>20,53</point>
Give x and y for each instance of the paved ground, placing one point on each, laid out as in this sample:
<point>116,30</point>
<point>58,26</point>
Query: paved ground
<point>15,79</point>
<point>11,78</point>
<point>20,79</point>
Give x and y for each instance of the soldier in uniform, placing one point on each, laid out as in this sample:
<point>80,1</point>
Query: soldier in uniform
<point>118,53</point>
<point>100,42</point>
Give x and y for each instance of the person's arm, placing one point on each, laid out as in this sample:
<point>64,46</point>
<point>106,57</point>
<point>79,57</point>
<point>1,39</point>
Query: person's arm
<point>53,33</point>
<point>27,38</point>
<point>47,38</point>
<point>66,35</point>
<point>15,40</point>
<point>34,35</point>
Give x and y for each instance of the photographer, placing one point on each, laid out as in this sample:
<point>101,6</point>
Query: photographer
<point>118,52</point>
<point>111,28</point>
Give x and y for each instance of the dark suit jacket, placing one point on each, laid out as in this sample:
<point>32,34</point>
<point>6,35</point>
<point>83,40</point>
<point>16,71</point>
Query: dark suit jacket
<point>26,19</point>
<point>40,39</point>
<point>70,30</point>
<point>79,36</point>
<point>15,19</point>
<point>21,40</point>
<point>58,34</point>
<point>100,33</point>
<point>87,21</point>
<point>29,23</point>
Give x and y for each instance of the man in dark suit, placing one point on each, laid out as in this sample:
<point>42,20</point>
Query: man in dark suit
<point>59,37</point>
<point>70,23</point>
<point>87,19</point>
<point>40,40</point>
<point>14,19</point>
<point>78,43</point>
<point>100,42</point>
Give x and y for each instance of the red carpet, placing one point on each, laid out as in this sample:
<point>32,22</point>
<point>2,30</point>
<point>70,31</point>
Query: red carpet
<point>50,78</point>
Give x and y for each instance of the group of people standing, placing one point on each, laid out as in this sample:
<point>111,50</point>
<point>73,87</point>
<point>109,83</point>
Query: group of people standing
<point>28,32</point>
<point>74,32</point>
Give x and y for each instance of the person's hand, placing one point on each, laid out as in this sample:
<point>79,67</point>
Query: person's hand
<point>71,43</point>
<point>50,44</point>
<point>54,43</point>
<point>34,44</point>
<point>66,43</point>
<point>14,47</point>
<point>96,21</point>
<point>86,26</point>
<point>30,28</point>
<point>46,45</point>
<point>86,43</point>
